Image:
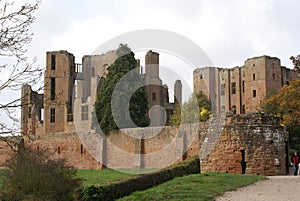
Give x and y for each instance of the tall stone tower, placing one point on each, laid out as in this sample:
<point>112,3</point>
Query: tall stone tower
<point>178,92</point>
<point>31,111</point>
<point>153,82</point>
<point>152,64</point>
<point>153,88</point>
<point>58,96</point>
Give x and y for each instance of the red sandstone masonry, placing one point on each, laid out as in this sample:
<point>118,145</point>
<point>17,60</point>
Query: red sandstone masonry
<point>262,139</point>
<point>121,151</point>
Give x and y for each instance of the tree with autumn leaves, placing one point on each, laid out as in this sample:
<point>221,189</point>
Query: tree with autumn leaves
<point>286,105</point>
<point>196,109</point>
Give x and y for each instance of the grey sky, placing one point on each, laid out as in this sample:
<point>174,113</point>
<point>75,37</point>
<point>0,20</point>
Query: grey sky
<point>228,31</point>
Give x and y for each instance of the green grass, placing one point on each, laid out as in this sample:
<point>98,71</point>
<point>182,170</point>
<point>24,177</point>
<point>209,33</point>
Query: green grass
<point>200,187</point>
<point>100,177</point>
<point>2,171</point>
<point>94,177</point>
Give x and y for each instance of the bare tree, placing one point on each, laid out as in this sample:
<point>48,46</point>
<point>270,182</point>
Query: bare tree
<point>15,67</point>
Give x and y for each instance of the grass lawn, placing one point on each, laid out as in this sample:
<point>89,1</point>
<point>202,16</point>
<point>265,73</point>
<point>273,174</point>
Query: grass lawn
<point>95,177</point>
<point>200,187</point>
<point>100,177</point>
<point>2,171</point>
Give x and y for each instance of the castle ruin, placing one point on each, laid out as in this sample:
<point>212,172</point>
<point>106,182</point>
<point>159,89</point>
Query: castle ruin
<point>70,92</point>
<point>225,143</point>
<point>244,89</point>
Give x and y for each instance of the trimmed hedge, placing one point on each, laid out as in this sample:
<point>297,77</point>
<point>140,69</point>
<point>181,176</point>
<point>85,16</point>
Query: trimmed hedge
<point>117,190</point>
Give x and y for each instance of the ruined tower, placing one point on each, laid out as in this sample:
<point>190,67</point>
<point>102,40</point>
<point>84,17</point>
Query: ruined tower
<point>153,82</point>
<point>32,111</point>
<point>178,92</point>
<point>58,96</point>
<point>152,64</point>
<point>154,89</point>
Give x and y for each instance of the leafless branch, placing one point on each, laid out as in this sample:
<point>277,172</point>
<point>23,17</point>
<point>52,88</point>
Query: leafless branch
<point>14,66</point>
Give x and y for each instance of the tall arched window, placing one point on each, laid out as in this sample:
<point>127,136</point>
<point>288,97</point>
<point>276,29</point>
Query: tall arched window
<point>233,109</point>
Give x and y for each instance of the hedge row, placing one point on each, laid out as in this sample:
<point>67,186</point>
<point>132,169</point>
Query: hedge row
<point>142,182</point>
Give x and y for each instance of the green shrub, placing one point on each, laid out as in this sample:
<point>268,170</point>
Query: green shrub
<point>142,182</point>
<point>34,175</point>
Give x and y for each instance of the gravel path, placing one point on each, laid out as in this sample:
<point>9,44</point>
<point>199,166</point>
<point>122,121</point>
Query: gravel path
<point>275,188</point>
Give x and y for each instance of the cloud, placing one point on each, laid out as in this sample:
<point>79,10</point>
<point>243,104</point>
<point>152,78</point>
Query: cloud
<point>228,31</point>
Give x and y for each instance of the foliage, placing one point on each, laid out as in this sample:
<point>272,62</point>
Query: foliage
<point>294,137</point>
<point>113,98</point>
<point>33,175</point>
<point>286,104</point>
<point>194,110</point>
<point>200,187</point>
<point>142,182</point>
<point>175,118</point>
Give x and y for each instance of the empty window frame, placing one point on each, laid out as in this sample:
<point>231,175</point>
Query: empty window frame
<point>70,113</point>
<point>52,115</point>
<point>29,112</point>
<point>53,61</point>
<point>222,89</point>
<point>233,109</point>
<point>233,88</point>
<point>52,88</point>
<point>81,149</point>
<point>84,113</point>
<point>92,71</point>
<point>153,96</point>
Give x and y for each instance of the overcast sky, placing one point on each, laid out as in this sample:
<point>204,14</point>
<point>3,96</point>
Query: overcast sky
<point>228,31</point>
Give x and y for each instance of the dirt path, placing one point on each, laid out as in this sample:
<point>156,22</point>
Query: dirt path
<point>275,188</point>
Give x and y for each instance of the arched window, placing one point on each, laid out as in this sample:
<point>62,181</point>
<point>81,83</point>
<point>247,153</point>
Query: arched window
<point>244,109</point>
<point>233,109</point>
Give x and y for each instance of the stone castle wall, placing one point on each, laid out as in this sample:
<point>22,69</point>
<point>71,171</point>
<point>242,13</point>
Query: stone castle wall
<point>260,137</point>
<point>221,143</point>
<point>154,147</point>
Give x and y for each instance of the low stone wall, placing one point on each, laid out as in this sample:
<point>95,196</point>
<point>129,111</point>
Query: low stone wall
<point>155,147</point>
<point>5,153</point>
<point>67,146</point>
<point>224,142</point>
<point>256,137</point>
